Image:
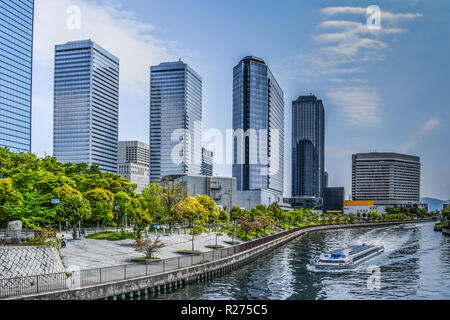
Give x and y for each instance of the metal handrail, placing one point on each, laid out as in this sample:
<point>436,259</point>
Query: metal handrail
<point>63,281</point>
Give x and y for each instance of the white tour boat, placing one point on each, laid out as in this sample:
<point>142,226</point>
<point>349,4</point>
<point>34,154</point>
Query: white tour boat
<point>348,258</point>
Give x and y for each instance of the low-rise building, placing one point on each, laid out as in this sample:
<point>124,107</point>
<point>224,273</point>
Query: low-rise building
<point>207,163</point>
<point>221,189</point>
<point>333,199</point>
<point>249,199</point>
<point>303,202</point>
<point>362,206</point>
<point>133,163</point>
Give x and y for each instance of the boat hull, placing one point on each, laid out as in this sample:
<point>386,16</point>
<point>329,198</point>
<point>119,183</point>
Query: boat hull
<point>350,266</point>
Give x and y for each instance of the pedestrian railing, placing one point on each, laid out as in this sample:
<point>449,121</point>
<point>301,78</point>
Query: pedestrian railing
<point>15,236</point>
<point>83,278</point>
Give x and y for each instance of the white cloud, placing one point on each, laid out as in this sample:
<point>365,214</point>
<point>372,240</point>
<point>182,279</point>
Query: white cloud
<point>360,105</point>
<point>331,11</point>
<point>117,30</point>
<point>430,125</point>
<point>353,41</point>
<point>136,44</point>
<point>385,15</point>
<point>426,129</point>
<point>343,70</point>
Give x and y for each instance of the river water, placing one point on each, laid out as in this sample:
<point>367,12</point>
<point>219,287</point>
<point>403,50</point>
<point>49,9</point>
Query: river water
<point>414,265</point>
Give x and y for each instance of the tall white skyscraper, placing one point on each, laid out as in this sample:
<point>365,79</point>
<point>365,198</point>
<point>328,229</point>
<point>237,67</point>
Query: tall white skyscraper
<point>175,120</point>
<point>16,59</point>
<point>86,105</point>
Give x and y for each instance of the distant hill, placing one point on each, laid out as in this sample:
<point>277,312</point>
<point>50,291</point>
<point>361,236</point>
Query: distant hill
<point>433,204</point>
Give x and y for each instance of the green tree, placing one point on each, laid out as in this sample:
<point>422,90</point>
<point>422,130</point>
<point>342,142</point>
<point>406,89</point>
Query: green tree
<point>210,206</point>
<point>190,209</point>
<point>263,222</point>
<point>235,213</point>
<point>65,191</point>
<point>223,215</point>
<point>101,202</point>
<point>8,195</point>
<point>173,194</point>
<point>246,226</point>
<point>143,218</point>
<point>123,207</point>
<point>276,212</point>
<point>75,210</point>
<point>152,197</point>
<point>31,210</point>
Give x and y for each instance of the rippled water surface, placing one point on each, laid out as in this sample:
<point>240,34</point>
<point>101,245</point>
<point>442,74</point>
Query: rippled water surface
<point>415,265</point>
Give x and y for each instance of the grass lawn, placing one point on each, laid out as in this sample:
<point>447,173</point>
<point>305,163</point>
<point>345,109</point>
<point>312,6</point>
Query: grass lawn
<point>214,246</point>
<point>111,236</point>
<point>188,251</point>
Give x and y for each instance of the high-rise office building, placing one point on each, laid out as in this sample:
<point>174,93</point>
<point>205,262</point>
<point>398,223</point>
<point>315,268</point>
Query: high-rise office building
<point>133,163</point>
<point>389,179</point>
<point>207,162</point>
<point>16,57</point>
<point>258,124</point>
<point>86,105</point>
<point>175,120</point>
<point>308,137</point>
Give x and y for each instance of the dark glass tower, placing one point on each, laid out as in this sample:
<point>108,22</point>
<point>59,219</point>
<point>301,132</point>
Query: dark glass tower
<point>258,124</point>
<point>86,105</point>
<point>308,140</point>
<point>16,55</point>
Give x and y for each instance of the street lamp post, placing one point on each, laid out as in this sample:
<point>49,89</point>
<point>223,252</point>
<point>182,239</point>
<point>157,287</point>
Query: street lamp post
<point>229,206</point>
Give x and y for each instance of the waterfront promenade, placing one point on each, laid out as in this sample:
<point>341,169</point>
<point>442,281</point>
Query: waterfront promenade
<point>137,278</point>
<point>89,253</point>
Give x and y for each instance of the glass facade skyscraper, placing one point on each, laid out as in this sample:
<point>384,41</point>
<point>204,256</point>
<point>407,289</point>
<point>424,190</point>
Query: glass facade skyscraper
<point>258,124</point>
<point>175,120</point>
<point>308,141</point>
<point>86,105</point>
<point>16,51</point>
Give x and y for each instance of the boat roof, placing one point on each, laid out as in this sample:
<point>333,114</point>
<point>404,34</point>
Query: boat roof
<point>338,253</point>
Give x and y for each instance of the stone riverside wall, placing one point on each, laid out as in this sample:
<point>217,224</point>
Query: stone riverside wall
<point>182,276</point>
<point>29,261</point>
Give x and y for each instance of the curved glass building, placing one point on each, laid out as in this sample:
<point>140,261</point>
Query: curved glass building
<point>308,147</point>
<point>258,124</point>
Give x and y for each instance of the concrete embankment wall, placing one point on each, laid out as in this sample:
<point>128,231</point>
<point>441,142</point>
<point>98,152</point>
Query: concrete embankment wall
<point>175,278</point>
<point>17,261</point>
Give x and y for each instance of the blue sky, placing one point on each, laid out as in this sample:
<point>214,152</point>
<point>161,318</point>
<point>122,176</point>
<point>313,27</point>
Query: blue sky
<point>383,90</point>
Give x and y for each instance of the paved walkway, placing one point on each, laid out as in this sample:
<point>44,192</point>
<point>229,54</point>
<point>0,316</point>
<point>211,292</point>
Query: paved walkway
<point>89,253</point>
